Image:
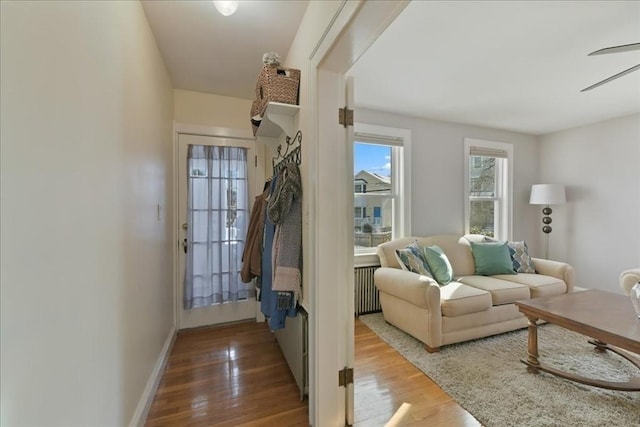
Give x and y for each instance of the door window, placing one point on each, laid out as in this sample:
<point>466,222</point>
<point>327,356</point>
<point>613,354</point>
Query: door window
<point>217,217</point>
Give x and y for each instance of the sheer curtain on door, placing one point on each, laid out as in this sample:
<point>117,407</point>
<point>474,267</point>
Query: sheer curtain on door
<point>217,209</point>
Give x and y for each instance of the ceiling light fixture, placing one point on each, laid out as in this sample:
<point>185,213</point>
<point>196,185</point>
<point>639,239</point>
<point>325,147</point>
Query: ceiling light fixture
<point>227,8</point>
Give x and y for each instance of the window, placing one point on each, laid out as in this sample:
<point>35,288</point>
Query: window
<point>360,186</point>
<point>217,217</point>
<point>488,183</point>
<point>380,184</point>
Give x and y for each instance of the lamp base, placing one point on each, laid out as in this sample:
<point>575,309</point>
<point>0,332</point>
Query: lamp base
<point>546,229</point>
<point>546,220</point>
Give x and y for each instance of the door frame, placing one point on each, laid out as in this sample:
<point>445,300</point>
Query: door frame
<point>352,30</point>
<point>209,131</point>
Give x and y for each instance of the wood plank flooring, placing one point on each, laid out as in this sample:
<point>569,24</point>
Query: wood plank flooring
<point>390,391</point>
<point>231,375</point>
<point>236,375</point>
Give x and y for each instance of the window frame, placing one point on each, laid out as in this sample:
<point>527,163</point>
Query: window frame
<point>503,210</point>
<point>400,141</point>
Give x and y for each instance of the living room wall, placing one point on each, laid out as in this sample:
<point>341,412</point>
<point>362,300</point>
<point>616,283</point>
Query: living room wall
<point>437,204</point>
<point>598,230</point>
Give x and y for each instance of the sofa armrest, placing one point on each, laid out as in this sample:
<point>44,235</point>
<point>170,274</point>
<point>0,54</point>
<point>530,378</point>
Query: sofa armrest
<point>561,270</point>
<point>419,290</point>
<point>628,278</point>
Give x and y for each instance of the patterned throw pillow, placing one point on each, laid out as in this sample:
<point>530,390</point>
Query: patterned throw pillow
<point>522,262</point>
<point>412,259</point>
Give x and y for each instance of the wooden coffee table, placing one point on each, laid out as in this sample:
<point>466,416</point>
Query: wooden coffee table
<point>606,317</point>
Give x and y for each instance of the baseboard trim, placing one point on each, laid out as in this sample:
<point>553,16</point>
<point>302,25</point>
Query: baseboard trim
<point>144,404</point>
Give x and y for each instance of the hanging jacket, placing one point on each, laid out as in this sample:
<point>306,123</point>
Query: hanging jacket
<point>285,210</point>
<point>288,187</point>
<point>269,298</point>
<point>252,254</point>
<point>287,252</point>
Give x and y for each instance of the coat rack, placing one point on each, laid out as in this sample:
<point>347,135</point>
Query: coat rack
<point>290,155</point>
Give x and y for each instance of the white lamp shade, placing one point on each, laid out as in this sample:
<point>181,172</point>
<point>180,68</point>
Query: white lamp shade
<point>547,194</point>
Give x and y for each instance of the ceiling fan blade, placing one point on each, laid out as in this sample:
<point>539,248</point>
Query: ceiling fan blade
<point>616,49</point>
<point>615,76</point>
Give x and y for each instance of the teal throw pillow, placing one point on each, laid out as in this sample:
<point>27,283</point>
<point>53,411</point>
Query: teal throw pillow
<point>522,262</point>
<point>412,259</point>
<point>492,258</point>
<point>439,264</point>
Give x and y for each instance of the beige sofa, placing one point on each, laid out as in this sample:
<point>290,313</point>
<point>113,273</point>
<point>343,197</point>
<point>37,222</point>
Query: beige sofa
<point>469,307</point>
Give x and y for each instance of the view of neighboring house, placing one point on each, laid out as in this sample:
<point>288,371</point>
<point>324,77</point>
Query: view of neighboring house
<point>373,204</point>
<point>483,194</point>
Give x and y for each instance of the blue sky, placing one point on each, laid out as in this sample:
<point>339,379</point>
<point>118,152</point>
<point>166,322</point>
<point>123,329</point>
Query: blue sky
<point>372,158</point>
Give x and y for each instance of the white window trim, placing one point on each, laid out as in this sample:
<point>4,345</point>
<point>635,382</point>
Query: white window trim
<point>402,185</point>
<point>505,186</point>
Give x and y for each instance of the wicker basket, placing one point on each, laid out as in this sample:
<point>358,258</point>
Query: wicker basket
<point>277,84</point>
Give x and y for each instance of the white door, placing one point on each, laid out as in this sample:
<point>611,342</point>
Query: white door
<point>350,296</point>
<point>230,232</point>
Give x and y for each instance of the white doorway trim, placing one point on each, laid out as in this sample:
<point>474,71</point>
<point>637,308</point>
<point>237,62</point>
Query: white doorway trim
<point>356,25</point>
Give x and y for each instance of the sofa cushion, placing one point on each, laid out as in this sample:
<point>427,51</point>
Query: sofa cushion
<point>492,258</point>
<point>539,284</point>
<point>522,262</point>
<point>502,291</point>
<point>412,259</point>
<point>457,299</point>
<point>438,264</point>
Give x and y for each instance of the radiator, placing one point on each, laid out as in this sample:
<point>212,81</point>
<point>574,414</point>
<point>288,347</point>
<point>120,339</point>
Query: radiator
<point>366,298</point>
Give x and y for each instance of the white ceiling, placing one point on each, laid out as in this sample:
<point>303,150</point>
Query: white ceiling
<point>509,65</point>
<point>207,52</point>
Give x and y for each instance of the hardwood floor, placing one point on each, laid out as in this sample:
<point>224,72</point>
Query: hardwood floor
<point>391,391</point>
<point>232,375</point>
<point>236,375</point>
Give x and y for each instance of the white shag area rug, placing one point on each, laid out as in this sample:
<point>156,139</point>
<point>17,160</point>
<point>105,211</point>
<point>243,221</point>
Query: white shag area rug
<point>487,378</point>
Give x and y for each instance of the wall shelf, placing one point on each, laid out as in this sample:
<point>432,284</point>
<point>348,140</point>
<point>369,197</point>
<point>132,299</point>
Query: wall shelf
<point>278,118</point>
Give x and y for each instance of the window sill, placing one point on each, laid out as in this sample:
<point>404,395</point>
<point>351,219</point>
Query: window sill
<point>365,259</point>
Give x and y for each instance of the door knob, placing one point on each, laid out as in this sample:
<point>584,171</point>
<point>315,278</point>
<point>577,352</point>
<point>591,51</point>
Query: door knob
<point>185,245</point>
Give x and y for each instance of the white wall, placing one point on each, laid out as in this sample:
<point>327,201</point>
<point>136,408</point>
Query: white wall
<point>323,398</point>
<point>205,109</point>
<point>437,204</point>
<point>86,120</point>
<point>598,230</point>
